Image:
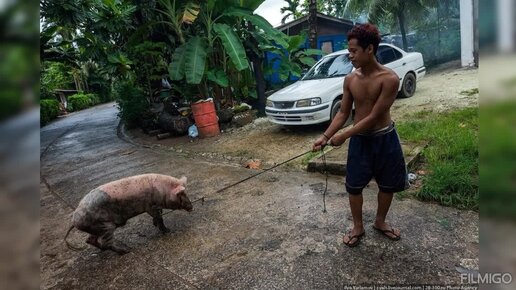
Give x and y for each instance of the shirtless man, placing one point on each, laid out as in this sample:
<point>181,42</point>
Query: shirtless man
<point>374,148</point>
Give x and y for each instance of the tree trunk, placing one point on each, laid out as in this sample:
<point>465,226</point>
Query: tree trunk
<point>257,62</point>
<point>217,96</point>
<point>312,24</point>
<point>260,85</point>
<point>401,21</point>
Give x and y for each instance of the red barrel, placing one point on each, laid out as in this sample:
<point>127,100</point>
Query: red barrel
<point>206,119</point>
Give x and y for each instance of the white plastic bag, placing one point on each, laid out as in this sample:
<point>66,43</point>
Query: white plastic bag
<point>192,131</point>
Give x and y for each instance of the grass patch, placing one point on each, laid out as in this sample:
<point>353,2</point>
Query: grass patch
<point>471,92</point>
<point>451,156</point>
<point>243,153</point>
<point>309,156</point>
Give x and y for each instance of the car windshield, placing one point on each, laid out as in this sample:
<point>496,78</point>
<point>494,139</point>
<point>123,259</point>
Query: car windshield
<point>330,67</point>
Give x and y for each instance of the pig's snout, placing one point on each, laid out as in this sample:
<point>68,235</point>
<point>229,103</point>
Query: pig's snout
<point>189,207</point>
<point>186,204</point>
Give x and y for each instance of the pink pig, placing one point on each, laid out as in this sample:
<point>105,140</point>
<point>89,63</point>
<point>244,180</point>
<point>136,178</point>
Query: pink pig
<point>110,205</point>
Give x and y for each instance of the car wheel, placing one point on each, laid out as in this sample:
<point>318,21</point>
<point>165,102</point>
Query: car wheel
<point>408,88</point>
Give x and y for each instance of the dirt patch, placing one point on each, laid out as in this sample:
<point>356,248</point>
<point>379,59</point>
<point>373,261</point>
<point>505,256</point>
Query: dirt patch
<point>444,88</point>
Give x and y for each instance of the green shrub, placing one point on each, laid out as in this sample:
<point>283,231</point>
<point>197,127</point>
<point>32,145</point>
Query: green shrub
<point>98,85</point>
<point>46,93</point>
<point>56,75</point>
<point>78,102</point>
<point>82,101</point>
<point>94,99</point>
<point>131,102</point>
<point>49,110</point>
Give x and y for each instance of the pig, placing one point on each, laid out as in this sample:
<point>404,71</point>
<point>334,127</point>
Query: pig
<point>109,206</point>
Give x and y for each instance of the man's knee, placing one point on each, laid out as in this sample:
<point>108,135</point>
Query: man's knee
<point>354,190</point>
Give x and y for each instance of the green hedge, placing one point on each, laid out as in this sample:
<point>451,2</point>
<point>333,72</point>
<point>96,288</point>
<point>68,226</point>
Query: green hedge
<point>81,101</point>
<point>49,110</point>
<point>131,102</point>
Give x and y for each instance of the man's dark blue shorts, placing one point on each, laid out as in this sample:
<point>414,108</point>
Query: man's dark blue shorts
<point>377,154</point>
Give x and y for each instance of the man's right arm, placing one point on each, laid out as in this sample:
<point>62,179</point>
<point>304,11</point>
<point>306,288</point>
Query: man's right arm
<point>345,110</point>
<point>340,118</point>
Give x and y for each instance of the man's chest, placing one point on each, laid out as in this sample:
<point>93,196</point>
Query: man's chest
<point>365,90</point>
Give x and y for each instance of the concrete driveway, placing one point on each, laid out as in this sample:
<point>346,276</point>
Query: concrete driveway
<point>267,233</point>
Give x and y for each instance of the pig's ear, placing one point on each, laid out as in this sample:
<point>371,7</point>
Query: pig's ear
<point>178,189</point>
<point>182,180</point>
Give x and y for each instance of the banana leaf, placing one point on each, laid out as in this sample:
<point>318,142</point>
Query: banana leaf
<point>219,77</point>
<point>176,68</point>
<point>251,4</point>
<point>295,42</point>
<point>307,60</point>
<point>311,51</point>
<point>232,45</point>
<point>261,23</point>
<point>195,60</point>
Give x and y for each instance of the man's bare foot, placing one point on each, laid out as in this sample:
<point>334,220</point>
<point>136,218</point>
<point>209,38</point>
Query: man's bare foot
<point>387,230</point>
<point>353,237</point>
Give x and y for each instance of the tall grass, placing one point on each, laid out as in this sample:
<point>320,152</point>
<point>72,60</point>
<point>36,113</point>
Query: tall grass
<point>451,156</point>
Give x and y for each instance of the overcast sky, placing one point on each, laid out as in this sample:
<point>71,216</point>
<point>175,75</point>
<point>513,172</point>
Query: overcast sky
<point>270,10</point>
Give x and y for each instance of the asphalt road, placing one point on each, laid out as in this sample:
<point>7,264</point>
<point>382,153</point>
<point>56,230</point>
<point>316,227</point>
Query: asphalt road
<point>266,233</point>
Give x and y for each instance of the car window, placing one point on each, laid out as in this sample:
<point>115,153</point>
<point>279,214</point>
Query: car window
<point>397,54</point>
<point>386,54</point>
<point>331,66</point>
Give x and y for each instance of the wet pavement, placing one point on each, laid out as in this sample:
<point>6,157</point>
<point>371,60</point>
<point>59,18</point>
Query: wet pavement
<point>267,233</point>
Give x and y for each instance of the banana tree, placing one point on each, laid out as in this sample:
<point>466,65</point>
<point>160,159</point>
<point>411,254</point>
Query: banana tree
<point>293,58</point>
<point>208,58</point>
<point>177,13</point>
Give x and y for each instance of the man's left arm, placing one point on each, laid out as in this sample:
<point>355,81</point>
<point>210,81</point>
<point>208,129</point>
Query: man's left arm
<point>383,104</point>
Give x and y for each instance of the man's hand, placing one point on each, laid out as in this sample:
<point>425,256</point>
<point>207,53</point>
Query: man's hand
<point>338,139</point>
<point>319,143</point>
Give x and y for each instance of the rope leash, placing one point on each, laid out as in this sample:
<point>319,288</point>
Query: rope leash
<point>325,170</point>
<point>203,198</point>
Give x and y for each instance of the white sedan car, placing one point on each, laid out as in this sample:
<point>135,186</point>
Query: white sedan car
<point>316,97</point>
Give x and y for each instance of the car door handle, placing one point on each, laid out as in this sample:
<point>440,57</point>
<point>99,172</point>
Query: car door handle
<point>404,63</point>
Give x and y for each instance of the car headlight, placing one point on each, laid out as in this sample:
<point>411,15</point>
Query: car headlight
<point>308,102</point>
<point>269,104</point>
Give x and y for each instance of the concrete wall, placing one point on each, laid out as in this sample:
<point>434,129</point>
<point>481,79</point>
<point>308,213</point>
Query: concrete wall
<point>505,25</point>
<point>467,33</point>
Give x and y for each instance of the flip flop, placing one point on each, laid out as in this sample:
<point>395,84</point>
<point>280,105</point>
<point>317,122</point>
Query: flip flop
<point>351,237</point>
<point>391,231</point>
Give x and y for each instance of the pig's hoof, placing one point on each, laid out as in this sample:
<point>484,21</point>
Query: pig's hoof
<point>92,240</point>
<point>120,251</point>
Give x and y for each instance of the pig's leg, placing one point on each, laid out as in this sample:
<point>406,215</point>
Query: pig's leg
<point>93,240</point>
<point>106,240</point>
<point>157,220</point>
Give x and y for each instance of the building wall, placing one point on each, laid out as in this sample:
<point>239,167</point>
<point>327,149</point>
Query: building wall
<point>467,33</point>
